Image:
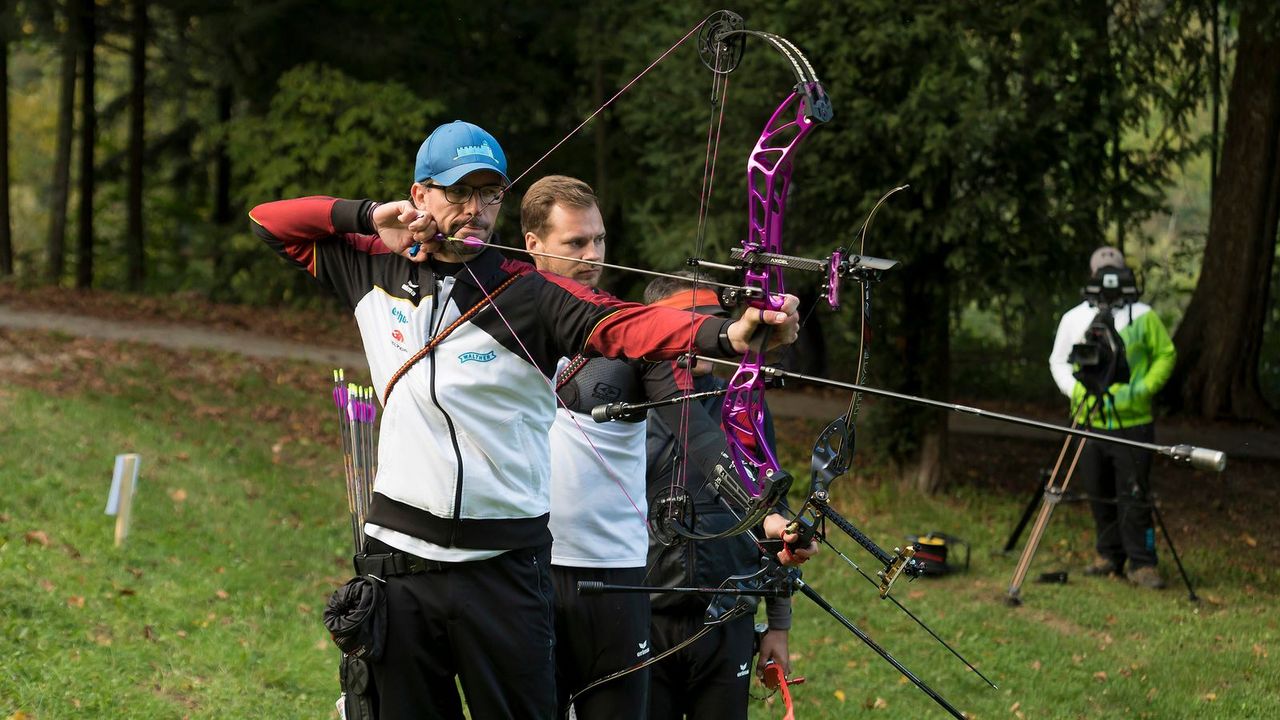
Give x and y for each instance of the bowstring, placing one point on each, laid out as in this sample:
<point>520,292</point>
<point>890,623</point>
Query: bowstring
<point>609,102</point>
<point>715,124</point>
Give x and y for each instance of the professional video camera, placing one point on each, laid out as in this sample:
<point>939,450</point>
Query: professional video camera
<point>1100,356</point>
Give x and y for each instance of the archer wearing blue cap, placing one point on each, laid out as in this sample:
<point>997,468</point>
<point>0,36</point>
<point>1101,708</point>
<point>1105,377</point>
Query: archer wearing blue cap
<point>462,343</point>
<point>459,179</point>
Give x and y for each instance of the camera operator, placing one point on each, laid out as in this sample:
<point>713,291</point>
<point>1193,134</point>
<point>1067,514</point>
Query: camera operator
<point>1111,356</point>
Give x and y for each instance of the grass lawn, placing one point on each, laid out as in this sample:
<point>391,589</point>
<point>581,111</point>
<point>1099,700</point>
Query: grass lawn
<point>212,608</point>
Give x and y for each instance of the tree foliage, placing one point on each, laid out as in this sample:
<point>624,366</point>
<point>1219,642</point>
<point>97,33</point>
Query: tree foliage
<point>326,133</point>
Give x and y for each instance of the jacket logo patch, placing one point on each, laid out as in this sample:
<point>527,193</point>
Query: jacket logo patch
<point>643,649</point>
<point>478,357</point>
<point>606,392</point>
<point>399,315</point>
<point>742,669</point>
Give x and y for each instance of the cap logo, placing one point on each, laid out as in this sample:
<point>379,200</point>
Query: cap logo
<point>481,149</point>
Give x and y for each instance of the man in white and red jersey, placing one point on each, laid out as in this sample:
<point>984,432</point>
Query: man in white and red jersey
<point>462,343</point>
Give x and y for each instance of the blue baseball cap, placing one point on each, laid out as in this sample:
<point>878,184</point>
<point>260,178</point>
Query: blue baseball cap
<point>455,150</point>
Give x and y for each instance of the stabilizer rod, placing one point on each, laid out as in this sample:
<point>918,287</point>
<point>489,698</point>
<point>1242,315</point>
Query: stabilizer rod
<point>1197,457</point>
<point>596,587</point>
<point>822,603</point>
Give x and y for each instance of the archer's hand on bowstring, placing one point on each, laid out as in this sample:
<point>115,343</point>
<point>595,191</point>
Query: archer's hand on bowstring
<point>783,325</point>
<point>401,226</point>
<point>775,527</point>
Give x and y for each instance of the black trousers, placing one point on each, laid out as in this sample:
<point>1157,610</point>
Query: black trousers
<point>708,680</point>
<point>598,635</point>
<point>488,624</point>
<point>1116,478</point>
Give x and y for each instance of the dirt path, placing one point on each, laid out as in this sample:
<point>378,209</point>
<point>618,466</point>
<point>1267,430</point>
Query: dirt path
<point>177,336</point>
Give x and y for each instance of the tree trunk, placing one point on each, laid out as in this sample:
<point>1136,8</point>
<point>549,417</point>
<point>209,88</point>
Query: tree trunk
<point>924,351</point>
<point>6,229</point>
<point>135,239</point>
<point>222,182</point>
<point>88,132</point>
<point>181,183</point>
<point>1099,83</point>
<point>1220,340</point>
<point>56,244</point>
<point>222,166</point>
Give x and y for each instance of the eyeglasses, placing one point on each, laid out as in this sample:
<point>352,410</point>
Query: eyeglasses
<point>461,194</point>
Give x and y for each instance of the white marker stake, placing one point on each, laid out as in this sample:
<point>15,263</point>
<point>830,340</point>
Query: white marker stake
<point>124,483</point>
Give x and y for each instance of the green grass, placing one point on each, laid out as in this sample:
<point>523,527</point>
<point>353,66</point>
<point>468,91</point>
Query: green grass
<point>212,608</point>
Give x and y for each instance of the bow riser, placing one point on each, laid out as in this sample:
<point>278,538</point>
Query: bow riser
<point>768,180</point>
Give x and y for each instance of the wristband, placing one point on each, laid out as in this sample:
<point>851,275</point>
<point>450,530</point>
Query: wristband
<point>370,227</point>
<point>726,345</point>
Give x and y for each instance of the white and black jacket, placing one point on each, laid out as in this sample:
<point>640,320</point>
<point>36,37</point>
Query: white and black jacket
<point>463,459</point>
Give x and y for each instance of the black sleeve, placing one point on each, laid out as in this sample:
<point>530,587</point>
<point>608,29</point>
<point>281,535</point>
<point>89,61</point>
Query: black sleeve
<point>692,424</point>
<point>352,216</point>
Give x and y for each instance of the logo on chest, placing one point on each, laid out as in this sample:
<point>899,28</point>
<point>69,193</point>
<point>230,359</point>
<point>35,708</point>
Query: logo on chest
<point>467,357</point>
<point>397,340</point>
<point>400,316</point>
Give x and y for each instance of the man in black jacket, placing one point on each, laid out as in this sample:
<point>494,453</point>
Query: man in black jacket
<point>711,677</point>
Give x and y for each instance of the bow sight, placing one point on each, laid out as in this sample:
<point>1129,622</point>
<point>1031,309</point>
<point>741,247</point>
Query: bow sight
<point>836,267</point>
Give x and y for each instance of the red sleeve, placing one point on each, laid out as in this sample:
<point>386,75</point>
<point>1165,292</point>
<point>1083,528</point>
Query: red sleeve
<point>293,228</point>
<point>641,332</point>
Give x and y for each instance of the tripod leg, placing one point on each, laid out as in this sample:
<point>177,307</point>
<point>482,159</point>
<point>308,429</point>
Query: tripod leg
<point>1052,495</point>
<point>1026,513</point>
<point>1191,591</point>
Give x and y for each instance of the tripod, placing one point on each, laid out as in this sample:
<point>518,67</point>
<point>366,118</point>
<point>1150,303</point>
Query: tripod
<point>1052,491</point>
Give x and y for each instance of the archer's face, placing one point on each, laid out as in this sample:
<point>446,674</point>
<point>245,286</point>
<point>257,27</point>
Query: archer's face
<point>471,218</point>
<point>571,232</point>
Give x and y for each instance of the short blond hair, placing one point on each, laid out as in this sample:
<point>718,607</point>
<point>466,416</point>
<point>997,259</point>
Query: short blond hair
<point>548,192</point>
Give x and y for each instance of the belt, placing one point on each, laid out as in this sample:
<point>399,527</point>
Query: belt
<point>385,565</point>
